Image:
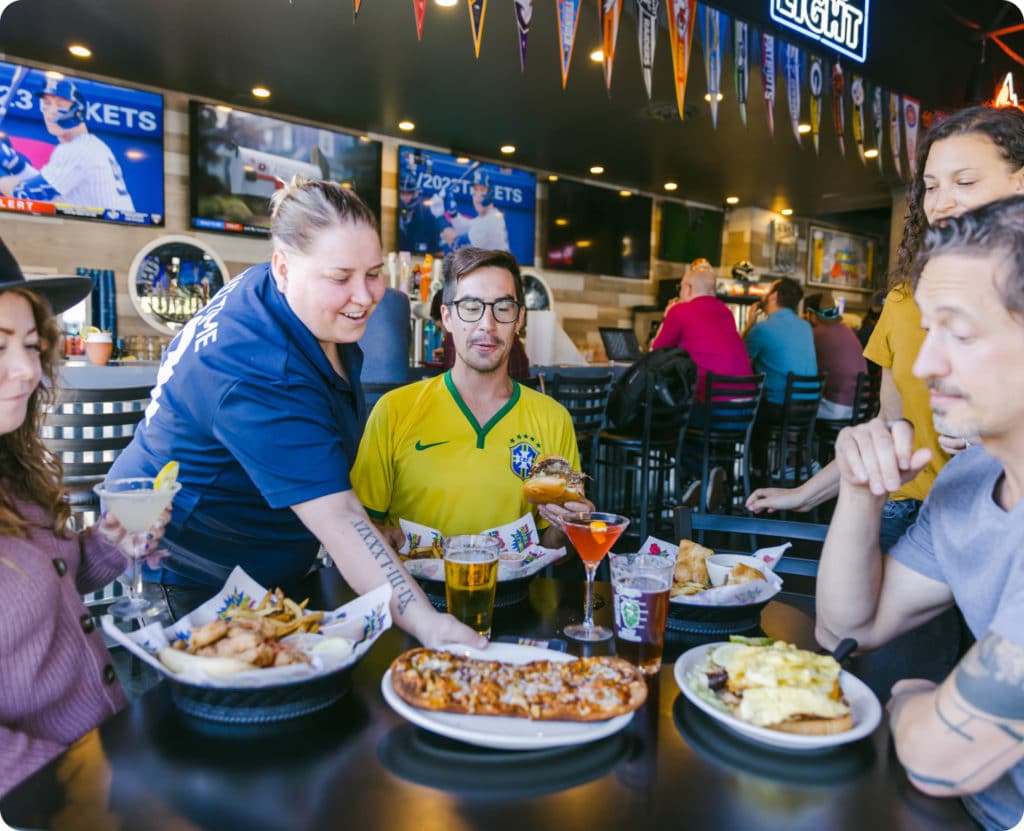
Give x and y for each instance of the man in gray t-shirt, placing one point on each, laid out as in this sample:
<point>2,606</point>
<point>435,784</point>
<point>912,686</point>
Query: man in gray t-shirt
<point>965,736</point>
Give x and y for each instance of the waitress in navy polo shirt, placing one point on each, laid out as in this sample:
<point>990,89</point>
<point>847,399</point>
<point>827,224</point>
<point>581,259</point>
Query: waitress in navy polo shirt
<point>258,399</point>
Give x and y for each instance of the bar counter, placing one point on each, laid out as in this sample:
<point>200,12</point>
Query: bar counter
<point>360,765</point>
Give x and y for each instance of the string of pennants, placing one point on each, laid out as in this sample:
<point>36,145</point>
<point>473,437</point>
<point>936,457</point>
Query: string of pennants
<point>747,45</point>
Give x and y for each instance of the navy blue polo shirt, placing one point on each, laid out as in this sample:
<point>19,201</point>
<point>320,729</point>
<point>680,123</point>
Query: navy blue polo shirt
<point>248,404</point>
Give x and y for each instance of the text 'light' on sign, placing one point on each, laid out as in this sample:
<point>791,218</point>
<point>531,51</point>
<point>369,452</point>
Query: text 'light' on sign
<point>840,25</point>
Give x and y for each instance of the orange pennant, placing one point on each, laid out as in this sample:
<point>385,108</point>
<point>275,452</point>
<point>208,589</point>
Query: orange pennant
<point>610,11</point>
<point>682,14</point>
<point>355,9</point>
<point>477,10</point>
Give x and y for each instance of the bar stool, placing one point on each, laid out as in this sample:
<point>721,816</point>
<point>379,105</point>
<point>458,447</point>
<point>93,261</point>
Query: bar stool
<point>723,435</point>
<point>865,407</point>
<point>791,437</point>
<point>585,397</point>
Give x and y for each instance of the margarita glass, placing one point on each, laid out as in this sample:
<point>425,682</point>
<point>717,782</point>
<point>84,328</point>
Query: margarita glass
<point>137,504</point>
<point>592,534</point>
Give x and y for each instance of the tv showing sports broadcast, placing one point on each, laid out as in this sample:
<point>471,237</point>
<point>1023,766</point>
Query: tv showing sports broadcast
<point>73,147</point>
<point>447,202</point>
<point>240,159</point>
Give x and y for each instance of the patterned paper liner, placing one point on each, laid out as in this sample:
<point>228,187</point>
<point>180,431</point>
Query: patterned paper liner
<point>361,621</point>
<point>743,595</point>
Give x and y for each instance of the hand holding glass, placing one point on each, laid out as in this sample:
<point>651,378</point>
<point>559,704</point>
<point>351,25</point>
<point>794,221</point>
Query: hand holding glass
<point>136,504</point>
<point>592,534</point>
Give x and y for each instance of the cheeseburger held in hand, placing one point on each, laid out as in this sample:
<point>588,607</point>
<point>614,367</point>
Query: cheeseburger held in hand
<point>552,480</point>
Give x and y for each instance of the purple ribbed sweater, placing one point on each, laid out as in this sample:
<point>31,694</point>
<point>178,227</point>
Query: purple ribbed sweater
<point>54,681</point>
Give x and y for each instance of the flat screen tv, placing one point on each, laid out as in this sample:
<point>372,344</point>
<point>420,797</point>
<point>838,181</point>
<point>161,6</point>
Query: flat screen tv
<point>72,147</point>
<point>239,159</point>
<point>598,231</point>
<point>689,232</point>
<point>446,202</point>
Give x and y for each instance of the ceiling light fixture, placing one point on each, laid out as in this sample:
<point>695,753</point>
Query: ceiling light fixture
<point>365,139</point>
<point>54,76</point>
<point>597,55</point>
<point>786,212</point>
<point>625,193</point>
<point>462,160</point>
<point>261,92</point>
<point>707,97</point>
<point>508,149</point>
<point>670,186</point>
<point>732,200</point>
<point>406,126</point>
<point>561,222</point>
<point>871,153</point>
<point>803,129</point>
<point>552,177</point>
<point>80,51</point>
<point>596,169</point>
<point>446,4</point>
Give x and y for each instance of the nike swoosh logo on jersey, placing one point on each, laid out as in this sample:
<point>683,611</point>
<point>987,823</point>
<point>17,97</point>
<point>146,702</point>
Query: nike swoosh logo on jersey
<point>421,446</point>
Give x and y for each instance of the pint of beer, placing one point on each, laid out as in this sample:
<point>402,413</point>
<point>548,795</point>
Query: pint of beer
<point>470,577</point>
<point>640,589</point>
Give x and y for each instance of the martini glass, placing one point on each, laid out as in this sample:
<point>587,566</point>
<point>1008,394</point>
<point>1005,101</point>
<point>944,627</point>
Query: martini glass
<point>592,534</point>
<point>137,504</point>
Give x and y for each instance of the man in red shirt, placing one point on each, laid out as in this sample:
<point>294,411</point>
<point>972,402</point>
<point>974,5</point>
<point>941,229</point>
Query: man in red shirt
<point>839,355</point>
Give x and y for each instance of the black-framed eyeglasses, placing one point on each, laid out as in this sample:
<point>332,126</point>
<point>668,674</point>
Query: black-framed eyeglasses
<point>471,309</point>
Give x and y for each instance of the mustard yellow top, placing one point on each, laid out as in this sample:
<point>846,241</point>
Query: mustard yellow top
<point>894,344</point>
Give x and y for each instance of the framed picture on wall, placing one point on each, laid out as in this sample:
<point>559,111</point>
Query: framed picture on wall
<point>840,259</point>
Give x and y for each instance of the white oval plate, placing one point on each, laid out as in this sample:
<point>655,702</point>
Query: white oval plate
<point>864,707</point>
<point>504,732</point>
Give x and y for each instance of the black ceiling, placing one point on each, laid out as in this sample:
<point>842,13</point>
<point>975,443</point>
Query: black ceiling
<point>369,74</point>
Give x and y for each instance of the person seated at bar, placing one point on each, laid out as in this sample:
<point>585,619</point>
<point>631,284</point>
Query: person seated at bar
<point>57,681</point>
<point>258,400</point>
<point>965,735</point>
<point>452,452</point>
<point>838,353</point>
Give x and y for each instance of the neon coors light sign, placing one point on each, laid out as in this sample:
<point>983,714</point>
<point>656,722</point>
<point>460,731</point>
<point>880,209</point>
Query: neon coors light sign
<point>841,25</point>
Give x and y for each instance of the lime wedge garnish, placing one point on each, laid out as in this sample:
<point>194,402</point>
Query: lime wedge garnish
<point>167,476</point>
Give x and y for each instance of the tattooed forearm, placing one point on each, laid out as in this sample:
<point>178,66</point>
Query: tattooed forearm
<point>991,677</point>
<point>395,575</point>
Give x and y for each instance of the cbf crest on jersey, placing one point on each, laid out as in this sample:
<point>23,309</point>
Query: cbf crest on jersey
<point>523,452</point>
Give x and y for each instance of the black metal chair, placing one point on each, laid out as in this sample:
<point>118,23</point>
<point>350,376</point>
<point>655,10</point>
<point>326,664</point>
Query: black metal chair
<point>642,466</point>
<point>88,429</point>
<point>865,407</point>
<point>585,397</point>
<point>790,440</point>
<point>729,410</point>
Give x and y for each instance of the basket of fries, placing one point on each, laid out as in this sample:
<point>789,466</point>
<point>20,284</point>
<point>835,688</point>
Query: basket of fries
<point>251,656</point>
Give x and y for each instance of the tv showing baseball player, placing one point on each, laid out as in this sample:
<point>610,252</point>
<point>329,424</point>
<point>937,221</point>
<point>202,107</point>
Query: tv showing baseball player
<point>239,159</point>
<point>73,147</point>
<point>446,202</point>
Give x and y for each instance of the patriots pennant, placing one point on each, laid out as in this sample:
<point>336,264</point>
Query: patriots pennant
<point>878,123</point>
<point>420,9</point>
<point>911,116</point>
<point>568,19</point>
<point>817,73</point>
<point>611,12</point>
<point>768,77</point>
<point>477,10</point>
<point>682,14</point>
<point>895,116</point>
<point>647,36</point>
<point>839,106</point>
<point>524,14</point>
<point>711,22</point>
<point>857,97</point>
<point>793,73</point>
<point>741,66</point>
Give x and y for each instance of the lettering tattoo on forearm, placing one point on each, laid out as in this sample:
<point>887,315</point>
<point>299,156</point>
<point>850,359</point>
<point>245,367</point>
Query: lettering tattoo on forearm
<point>404,594</point>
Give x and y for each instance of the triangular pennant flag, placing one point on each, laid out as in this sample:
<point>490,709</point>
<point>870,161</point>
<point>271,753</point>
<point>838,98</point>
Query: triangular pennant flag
<point>568,19</point>
<point>911,111</point>
<point>857,96</point>
<point>711,23</point>
<point>477,10</point>
<point>682,14</point>
<point>741,66</point>
<point>646,33</point>
<point>794,73</point>
<point>895,116</point>
<point>355,9</point>
<point>768,77</point>
<point>524,14</point>
<point>817,73</point>
<point>878,122</point>
<point>611,12</point>
<point>420,8</point>
<point>839,106</point>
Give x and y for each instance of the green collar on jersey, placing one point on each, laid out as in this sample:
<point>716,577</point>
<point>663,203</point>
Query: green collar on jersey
<point>481,432</point>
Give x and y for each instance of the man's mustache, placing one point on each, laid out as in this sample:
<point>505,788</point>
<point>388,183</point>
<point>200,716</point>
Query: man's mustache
<point>944,388</point>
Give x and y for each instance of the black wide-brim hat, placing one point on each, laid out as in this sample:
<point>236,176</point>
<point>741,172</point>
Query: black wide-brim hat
<point>61,292</point>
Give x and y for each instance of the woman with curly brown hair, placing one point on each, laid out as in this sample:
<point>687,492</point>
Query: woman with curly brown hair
<point>57,681</point>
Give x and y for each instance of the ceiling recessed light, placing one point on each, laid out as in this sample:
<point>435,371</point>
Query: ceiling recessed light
<point>707,97</point>
<point>803,129</point>
<point>786,212</point>
<point>561,222</point>
<point>406,126</point>
<point>508,149</point>
<point>80,51</point>
<point>670,186</point>
<point>365,139</point>
<point>597,55</point>
<point>583,243</point>
<point>462,160</point>
<point>597,170</point>
<point>871,153</point>
<point>732,200</point>
<point>261,92</point>
<point>223,108</point>
<point>625,193</point>
<point>552,177</point>
<point>54,76</point>
<point>446,4</point>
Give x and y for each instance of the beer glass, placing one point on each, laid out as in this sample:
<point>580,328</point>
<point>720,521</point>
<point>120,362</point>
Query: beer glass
<point>640,594</point>
<point>470,579</point>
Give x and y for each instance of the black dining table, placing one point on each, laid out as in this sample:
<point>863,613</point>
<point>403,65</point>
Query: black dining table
<point>358,764</point>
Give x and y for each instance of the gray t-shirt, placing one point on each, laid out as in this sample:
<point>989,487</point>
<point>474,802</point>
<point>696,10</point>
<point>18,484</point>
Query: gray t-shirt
<point>963,538</point>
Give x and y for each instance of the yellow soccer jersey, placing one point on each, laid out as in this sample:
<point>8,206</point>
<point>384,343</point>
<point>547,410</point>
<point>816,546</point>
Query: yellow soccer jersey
<point>425,458</point>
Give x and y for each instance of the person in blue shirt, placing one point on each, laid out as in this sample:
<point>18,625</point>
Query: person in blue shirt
<point>258,400</point>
